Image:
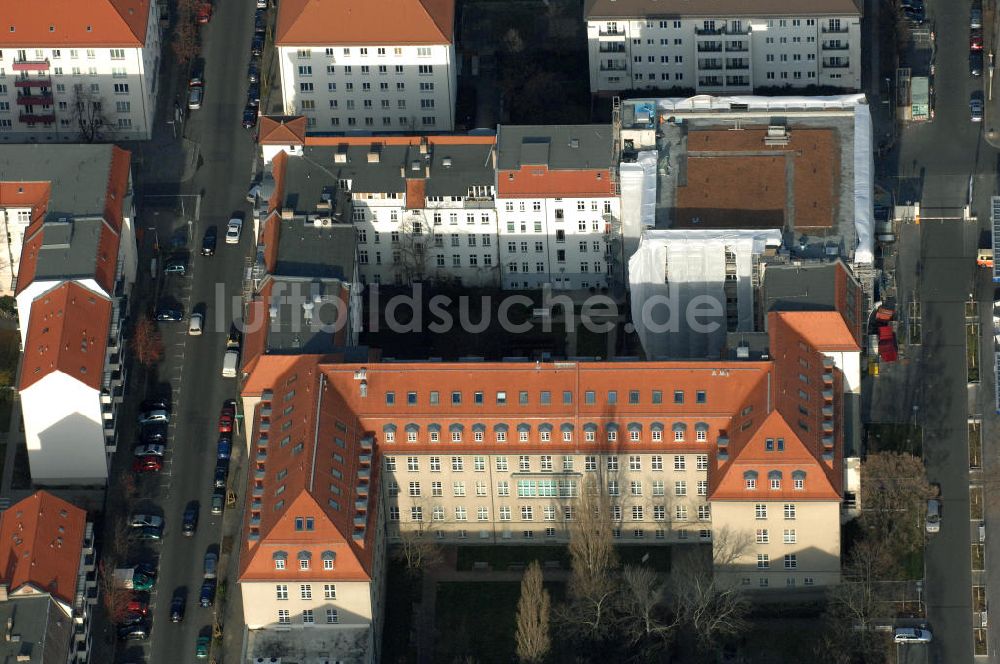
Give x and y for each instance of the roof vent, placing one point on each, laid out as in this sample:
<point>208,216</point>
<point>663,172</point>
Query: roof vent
<point>374,154</point>
<point>446,162</point>
<point>272,311</point>
<point>743,352</point>
<point>415,165</point>
<point>423,145</point>
<point>777,135</point>
<point>574,143</point>
<point>307,310</point>
<point>341,155</point>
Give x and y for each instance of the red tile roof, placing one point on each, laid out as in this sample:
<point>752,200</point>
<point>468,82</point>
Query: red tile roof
<point>103,23</point>
<point>415,198</point>
<point>823,330</point>
<point>387,22</point>
<point>282,130</point>
<point>539,180</point>
<point>67,332</point>
<point>41,540</point>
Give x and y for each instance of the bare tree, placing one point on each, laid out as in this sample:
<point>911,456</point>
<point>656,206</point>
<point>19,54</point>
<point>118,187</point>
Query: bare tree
<point>417,548</point>
<point>512,41</point>
<point>894,490</point>
<point>711,606</point>
<point>643,595</point>
<point>533,640</point>
<point>89,115</point>
<point>114,597</point>
<point>186,41</point>
<point>415,237</point>
<point>856,606</point>
<point>593,558</point>
<point>147,343</point>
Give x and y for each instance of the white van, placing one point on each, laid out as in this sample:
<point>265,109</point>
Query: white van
<point>230,363</point>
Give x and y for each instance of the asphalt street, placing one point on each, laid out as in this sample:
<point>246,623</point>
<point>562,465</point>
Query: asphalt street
<point>190,373</point>
<point>936,163</point>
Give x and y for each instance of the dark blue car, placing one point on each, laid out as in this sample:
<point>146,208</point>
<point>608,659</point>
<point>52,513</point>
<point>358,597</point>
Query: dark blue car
<point>207,597</point>
<point>225,448</point>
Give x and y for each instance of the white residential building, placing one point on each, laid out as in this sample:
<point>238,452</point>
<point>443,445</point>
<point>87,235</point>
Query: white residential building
<point>368,67</point>
<point>78,71</point>
<point>730,47</point>
<point>558,209</point>
<point>77,267</point>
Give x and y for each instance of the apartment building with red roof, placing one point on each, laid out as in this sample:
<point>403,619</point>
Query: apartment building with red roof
<point>76,269</point>
<point>496,453</point>
<point>48,583</point>
<point>101,55</point>
<point>362,67</point>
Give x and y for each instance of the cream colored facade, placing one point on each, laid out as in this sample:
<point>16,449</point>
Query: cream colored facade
<point>795,544</point>
<point>345,603</point>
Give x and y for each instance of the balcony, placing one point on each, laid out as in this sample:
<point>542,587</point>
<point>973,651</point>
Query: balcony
<point>613,66</point>
<point>737,65</point>
<point>836,63</point>
<point>831,30</point>
<point>611,32</point>
<point>31,65</point>
<point>709,82</point>
<point>835,46</point>
<point>736,47</point>
<point>40,82</point>
<point>479,203</point>
<point>37,118</point>
<point>710,65</point>
<point>737,82</point>
<point>612,47</point>
<point>709,32</point>
<point>34,100</point>
<point>710,47</point>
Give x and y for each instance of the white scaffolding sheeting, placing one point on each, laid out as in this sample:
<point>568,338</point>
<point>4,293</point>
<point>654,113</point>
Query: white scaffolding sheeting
<point>638,182</point>
<point>757,103</point>
<point>864,195</point>
<point>675,273</point>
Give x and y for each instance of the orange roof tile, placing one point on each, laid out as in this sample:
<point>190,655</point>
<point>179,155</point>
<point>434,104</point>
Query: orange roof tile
<point>282,130</point>
<point>67,23</point>
<point>321,141</point>
<point>41,539</point>
<point>67,332</point>
<point>540,181</point>
<point>415,198</point>
<point>388,22</point>
<point>823,330</point>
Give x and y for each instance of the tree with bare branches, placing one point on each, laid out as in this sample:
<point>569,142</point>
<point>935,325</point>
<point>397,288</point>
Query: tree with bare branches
<point>114,597</point>
<point>593,560</point>
<point>894,491</point>
<point>186,42</point>
<point>710,606</point>
<point>147,342</point>
<point>644,619</point>
<point>417,548</point>
<point>533,640</point>
<point>89,115</point>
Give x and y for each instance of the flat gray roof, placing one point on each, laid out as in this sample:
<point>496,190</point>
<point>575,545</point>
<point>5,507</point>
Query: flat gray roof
<point>303,315</point>
<point>448,170</point>
<point>69,248</point>
<point>43,629</point>
<point>721,9</point>
<point>560,147</point>
<point>79,174</point>
<point>811,286</point>
<point>308,250</point>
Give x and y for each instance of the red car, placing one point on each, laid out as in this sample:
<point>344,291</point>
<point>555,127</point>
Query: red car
<point>226,416</point>
<point>976,40</point>
<point>147,464</point>
<point>138,606</point>
<point>204,14</point>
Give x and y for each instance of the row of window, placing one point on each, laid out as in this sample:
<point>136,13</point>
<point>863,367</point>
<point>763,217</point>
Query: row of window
<point>704,534</point>
<point>547,488</point>
<point>123,124</point>
<point>527,513</point>
<point>285,618</point>
<point>439,259</point>
<point>364,51</point>
<point>760,511</point>
<point>422,70</point>
<point>735,27</point>
<point>764,561</point>
<point>583,245</point>
<point>404,121</point>
<point>764,582</point>
<point>595,227</point>
<point>536,206</point>
<point>545,433</point>
<point>546,464</point>
<point>331,70</point>
<point>95,88</point>
<point>120,106</point>
<point>39,54</point>
<point>384,104</point>
<point>774,479</point>
<point>634,397</point>
<point>305,591</point>
<point>788,536</point>
<point>305,559</point>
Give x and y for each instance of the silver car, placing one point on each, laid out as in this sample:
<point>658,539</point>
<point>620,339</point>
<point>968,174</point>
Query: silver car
<point>933,523</point>
<point>146,521</point>
<point>976,110</point>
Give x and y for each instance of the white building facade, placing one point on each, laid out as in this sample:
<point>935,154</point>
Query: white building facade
<point>733,51</point>
<point>366,69</point>
<point>79,82</point>
<point>558,210</point>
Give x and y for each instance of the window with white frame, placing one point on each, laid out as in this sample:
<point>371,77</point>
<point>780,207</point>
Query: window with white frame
<point>680,488</point>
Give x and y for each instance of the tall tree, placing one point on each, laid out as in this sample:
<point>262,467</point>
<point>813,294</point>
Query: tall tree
<point>533,640</point>
<point>186,41</point>
<point>643,616</point>
<point>89,115</point>
<point>594,562</point>
<point>894,491</point>
<point>147,343</point>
